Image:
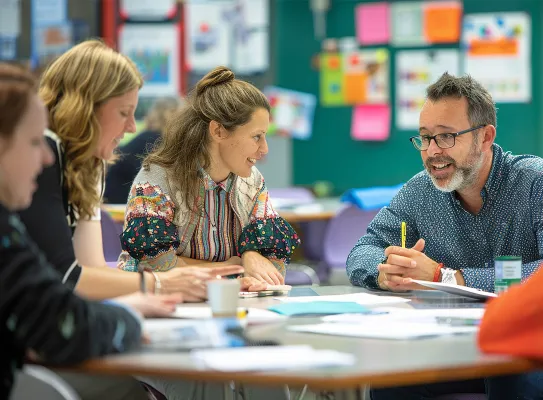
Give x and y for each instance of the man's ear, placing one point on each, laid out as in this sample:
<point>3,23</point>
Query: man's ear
<point>489,135</point>
<point>217,131</point>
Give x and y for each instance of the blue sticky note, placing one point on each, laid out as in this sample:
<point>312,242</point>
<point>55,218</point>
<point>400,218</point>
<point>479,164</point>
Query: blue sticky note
<point>319,308</point>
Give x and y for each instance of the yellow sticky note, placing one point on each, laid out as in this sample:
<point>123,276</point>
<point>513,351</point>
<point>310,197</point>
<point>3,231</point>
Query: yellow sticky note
<point>381,55</point>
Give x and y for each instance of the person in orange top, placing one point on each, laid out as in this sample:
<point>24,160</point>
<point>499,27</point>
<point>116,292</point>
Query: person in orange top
<point>513,322</point>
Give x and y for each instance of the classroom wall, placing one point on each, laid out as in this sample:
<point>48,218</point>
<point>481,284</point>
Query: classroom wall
<point>330,154</point>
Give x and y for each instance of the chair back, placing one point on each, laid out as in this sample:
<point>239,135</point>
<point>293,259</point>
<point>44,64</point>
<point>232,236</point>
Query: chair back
<point>110,237</point>
<point>343,232</point>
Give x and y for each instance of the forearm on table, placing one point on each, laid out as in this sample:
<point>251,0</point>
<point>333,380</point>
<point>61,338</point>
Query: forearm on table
<point>362,265</point>
<point>107,283</point>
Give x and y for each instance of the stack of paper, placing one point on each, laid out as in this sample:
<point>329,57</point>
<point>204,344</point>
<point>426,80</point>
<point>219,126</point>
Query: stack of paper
<point>360,298</point>
<point>384,330</point>
<point>270,358</point>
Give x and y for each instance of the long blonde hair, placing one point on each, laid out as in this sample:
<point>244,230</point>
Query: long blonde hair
<point>73,87</point>
<point>184,147</point>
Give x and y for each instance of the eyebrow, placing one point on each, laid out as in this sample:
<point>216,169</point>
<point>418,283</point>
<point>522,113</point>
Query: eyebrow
<point>450,128</point>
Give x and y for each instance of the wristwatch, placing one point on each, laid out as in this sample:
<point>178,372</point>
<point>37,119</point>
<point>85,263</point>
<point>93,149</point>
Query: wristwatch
<point>448,275</point>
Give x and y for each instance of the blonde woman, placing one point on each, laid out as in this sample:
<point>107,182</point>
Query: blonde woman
<point>121,174</point>
<point>91,93</point>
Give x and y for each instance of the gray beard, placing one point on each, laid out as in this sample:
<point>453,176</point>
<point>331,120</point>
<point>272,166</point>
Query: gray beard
<point>462,177</point>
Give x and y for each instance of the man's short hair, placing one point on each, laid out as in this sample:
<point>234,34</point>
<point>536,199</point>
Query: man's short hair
<point>481,107</point>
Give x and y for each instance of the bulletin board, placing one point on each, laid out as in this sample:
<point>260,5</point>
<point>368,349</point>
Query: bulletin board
<point>331,154</point>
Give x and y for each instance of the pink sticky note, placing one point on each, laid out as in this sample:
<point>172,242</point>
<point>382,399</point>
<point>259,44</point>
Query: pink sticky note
<point>371,122</point>
<point>372,23</point>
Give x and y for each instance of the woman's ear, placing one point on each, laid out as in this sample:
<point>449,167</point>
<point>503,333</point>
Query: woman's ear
<point>217,131</point>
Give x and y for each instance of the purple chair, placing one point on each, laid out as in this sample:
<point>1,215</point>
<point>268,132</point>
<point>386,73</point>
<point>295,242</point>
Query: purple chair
<point>110,237</point>
<point>343,232</point>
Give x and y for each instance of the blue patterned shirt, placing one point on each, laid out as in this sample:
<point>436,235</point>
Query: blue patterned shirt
<point>510,222</point>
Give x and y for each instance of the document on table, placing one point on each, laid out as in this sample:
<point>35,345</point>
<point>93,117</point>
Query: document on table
<point>407,315</point>
<point>365,299</point>
<point>266,358</point>
<point>458,290</point>
<point>384,330</point>
<point>254,315</point>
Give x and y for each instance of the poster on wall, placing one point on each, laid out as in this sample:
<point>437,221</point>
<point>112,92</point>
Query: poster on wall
<point>415,71</point>
<point>148,10</point>
<point>291,112</point>
<point>233,33</point>
<point>355,77</point>
<point>208,37</point>
<point>496,52</point>
<point>155,50</point>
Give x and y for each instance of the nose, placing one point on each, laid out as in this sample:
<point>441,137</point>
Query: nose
<point>264,147</point>
<point>130,126</point>
<point>433,148</point>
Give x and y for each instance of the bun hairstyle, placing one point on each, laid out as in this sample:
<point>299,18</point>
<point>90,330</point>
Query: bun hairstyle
<point>16,86</point>
<point>184,147</point>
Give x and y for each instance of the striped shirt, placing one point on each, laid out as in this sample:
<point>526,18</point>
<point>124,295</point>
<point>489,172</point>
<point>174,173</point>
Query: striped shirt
<point>214,238</point>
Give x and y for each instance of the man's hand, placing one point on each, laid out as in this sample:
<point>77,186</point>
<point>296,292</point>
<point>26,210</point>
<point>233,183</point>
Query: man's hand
<point>402,265</point>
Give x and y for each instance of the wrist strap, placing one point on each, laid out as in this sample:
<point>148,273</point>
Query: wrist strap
<point>437,272</point>
<point>158,284</point>
<point>448,275</point>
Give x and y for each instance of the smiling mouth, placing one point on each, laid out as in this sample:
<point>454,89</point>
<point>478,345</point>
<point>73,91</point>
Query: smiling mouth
<point>252,160</point>
<point>440,167</point>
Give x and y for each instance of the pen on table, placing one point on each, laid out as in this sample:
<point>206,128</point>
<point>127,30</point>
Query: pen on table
<point>404,233</point>
<point>242,313</point>
<point>143,286</point>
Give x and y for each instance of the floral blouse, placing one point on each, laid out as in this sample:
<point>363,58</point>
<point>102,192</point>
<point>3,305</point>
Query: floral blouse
<point>235,216</point>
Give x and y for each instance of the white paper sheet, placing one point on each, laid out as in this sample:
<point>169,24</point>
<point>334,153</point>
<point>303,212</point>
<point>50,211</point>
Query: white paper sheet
<point>254,316</point>
<point>384,330</point>
<point>360,298</point>
<point>396,314</point>
<point>275,358</point>
<point>415,71</point>
<point>458,290</point>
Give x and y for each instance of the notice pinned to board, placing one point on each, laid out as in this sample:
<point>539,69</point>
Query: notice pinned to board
<point>497,54</point>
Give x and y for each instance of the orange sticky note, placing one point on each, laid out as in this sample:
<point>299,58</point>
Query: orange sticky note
<point>442,22</point>
<point>355,88</point>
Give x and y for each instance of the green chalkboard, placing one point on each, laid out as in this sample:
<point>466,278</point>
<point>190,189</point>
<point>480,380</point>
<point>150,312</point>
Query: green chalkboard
<point>331,154</point>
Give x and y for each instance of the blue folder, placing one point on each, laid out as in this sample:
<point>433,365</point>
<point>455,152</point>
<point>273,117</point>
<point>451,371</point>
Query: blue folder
<point>319,308</point>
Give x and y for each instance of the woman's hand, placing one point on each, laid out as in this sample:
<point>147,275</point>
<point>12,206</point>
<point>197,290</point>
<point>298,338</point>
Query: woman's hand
<point>259,267</point>
<point>191,281</point>
<point>150,305</point>
<point>250,284</point>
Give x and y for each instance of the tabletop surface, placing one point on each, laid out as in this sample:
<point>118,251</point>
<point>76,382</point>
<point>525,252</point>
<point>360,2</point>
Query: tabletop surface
<point>380,363</point>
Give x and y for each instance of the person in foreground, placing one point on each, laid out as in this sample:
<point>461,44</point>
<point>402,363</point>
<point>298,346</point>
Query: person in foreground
<point>513,322</point>
<point>199,199</point>
<point>121,174</point>
<point>91,94</point>
<point>472,203</point>
<point>39,315</point>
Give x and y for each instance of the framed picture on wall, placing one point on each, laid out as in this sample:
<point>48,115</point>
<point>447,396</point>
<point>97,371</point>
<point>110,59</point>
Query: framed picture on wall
<point>156,50</point>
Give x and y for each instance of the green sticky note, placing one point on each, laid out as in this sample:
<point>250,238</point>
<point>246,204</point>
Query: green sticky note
<point>319,308</point>
<point>332,87</point>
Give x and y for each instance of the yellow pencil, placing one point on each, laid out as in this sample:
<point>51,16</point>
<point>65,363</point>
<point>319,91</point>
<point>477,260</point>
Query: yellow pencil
<point>404,233</point>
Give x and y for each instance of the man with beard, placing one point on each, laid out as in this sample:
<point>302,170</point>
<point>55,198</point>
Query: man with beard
<point>472,203</point>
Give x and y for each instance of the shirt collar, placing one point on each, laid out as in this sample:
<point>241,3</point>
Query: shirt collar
<point>493,182</point>
<point>210,184</point>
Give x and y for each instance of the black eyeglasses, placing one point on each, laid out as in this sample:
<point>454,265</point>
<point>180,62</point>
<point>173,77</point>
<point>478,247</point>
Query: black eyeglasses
<point>443,140</point>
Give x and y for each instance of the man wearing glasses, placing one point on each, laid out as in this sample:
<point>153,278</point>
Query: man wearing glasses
<point>472,203</point>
